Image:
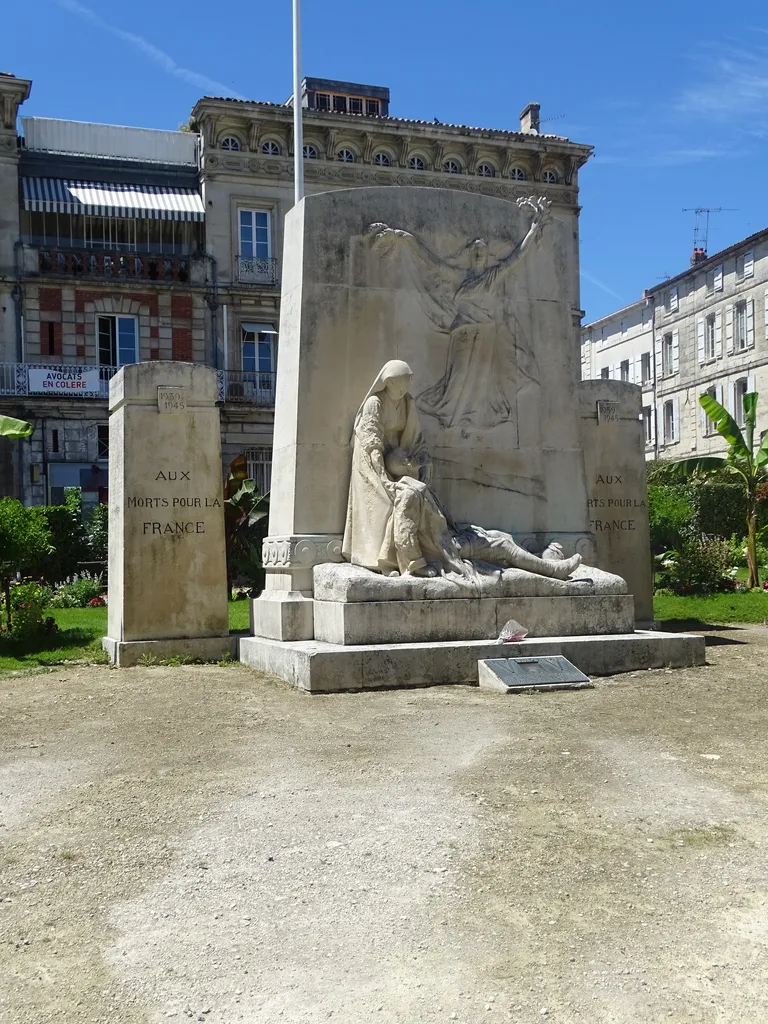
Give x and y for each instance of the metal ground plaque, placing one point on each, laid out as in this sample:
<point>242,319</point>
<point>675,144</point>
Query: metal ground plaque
<point>513,675</point>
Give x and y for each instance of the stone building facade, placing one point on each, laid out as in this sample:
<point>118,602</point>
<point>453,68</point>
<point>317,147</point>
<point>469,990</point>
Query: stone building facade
<point>204,285</point>
<point>705,330</point>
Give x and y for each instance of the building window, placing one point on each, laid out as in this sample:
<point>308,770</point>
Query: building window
<point>231,143</point>
<point>605,373</point>
<point>647,424</point>
<point>740,326</point>
<point>416,163</point>
<point>667,355</point>
<point>451,167</point>
<point>346,156</point>
<point>322,101</point>
<point>714,280</point>
<point>381,160</point>
<point>671,300</point>
<point>340,104</point>
<point>710,335</point>
<point>549,178</point>
<point>625,370</point>
<point>50,339</point>
<point>670,424</point>
<point>258,353</point>
<point>355,105</point>
<point>372,108</point>
<point>54,441</point>
<point>486,171</point>
<point>258,466</point>
<point>739,390</point>
<point>645,367</point>
<point>745,265</point>
<point>518,174</point>
<point>118,340</point>
<point>709,425</point>
<point>255,235</point>
<point>270,148</point>
<point>102,441</point>
<point>310,153</point>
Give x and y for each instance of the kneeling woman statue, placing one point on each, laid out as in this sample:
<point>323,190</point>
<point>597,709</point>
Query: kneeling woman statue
<point>395,523</point>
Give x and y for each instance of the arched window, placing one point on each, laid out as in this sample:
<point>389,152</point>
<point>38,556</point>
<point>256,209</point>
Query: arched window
<point>230,143</point>
<point>518,174</point>
<point>416,163</point>
<point>310,153</point>
<point>346,156</point>
<point>549,177</point>
<point>381,160</point>
<point>486,171</point>
<point>270,148</point>
<point>451,167</point>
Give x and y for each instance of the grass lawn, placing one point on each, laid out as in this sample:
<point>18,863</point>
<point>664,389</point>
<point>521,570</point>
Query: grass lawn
<point>79,638</point>
<point>749,607</point>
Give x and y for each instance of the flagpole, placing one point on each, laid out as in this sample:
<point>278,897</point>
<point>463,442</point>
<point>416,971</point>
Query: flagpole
<point>298,138</point>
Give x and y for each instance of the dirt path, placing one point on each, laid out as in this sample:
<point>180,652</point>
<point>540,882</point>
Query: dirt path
<point>205,843</point>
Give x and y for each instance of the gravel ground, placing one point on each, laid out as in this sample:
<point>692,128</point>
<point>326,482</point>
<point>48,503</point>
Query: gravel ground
<point>205,843</point>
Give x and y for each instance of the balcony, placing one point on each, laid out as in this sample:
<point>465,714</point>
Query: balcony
<point>55,380</point>
<point>247,387</point>
<point>100,265</point>
<point>251,270</point>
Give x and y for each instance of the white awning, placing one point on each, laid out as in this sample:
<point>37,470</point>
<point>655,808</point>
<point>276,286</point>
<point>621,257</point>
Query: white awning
<point>153,202</point>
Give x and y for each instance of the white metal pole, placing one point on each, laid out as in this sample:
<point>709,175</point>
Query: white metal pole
<point>298,140</point>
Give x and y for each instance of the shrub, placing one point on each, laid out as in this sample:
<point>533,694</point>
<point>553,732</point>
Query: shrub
<point>672,516</point>
<point>28,600</point>
<point>69,538</point>
<point>98,535</point>
<point>699,567</point>
<point>24,540</point>
<point>77,591</point>
<point>722,509</point>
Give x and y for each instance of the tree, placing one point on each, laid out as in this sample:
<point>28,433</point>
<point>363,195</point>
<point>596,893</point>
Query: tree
<point>24,540</point>
<point>745,462</point>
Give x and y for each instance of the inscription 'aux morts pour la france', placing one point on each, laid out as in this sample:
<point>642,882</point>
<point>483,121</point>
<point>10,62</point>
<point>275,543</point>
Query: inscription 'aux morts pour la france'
<point>609,525</point>
<point>175,528</point>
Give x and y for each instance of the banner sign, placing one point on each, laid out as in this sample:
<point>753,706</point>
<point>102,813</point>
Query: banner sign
<point>64,382</point>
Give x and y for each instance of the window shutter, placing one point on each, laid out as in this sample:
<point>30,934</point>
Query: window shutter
<point>673,300</point>
<point>750,384</point>
<point>719,334</point>
<point>616,371</point>
<point>675,350</point>
<point>765,313</point>
<point>749,263</point>
<point>719,393</point>
<point>719,278</point>
<point>700,340</point>
<point>703,422</point>
<point>729,330</point>
<point>634,370</point>
<point>750,323</point>
<point>653,423</point>
<point>657,357</point>
<point>731,403</point>
<point>675,419</point>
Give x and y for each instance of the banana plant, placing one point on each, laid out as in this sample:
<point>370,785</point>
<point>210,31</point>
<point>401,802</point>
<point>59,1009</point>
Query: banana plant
<point>9,427</point>
<point>745,461</point>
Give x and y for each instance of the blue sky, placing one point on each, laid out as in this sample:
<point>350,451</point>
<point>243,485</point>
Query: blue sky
<point>674,96</point>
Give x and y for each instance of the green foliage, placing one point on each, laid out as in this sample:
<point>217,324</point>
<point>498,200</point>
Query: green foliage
<point>722,509</point>
<point>9,427</point>
<point>695,612</point>
<point>28,601</point>
<point>69,538</point>
<point>699,567</point>
<point>672,515</point>
<point>98,533</point>
<point>77,591</point>
<point>246,516</point>
<point>24,539</point>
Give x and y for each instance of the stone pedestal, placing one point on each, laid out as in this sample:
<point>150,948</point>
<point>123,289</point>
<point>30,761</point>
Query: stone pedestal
<point>167,562</point>
<point>614,452</point>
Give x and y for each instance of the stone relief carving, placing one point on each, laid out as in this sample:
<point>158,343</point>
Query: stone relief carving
<point>488,356</point>
<point>300,551</point>
<point>395,523</point>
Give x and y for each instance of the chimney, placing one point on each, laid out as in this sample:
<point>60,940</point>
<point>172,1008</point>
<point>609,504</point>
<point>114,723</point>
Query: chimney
<point>699,255</point>
<point>530,120</point>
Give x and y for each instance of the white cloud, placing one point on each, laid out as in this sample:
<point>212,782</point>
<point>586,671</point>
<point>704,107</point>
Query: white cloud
<point>600,284</point>
<point>150,51</point>
<point>734,82</point>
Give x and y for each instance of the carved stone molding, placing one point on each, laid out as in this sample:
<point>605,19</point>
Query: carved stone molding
<point>301,552</point>
<point>253,136</point>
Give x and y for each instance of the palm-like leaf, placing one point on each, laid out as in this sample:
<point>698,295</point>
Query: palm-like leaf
<point>9,427</point>
<point>726,425</point>
<point>684,469</point>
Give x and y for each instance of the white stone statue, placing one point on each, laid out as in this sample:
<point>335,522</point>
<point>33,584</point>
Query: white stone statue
<point>488,355</point>
<point>395,523</point>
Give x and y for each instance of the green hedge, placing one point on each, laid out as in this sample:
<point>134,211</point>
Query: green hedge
<point>682,512</point>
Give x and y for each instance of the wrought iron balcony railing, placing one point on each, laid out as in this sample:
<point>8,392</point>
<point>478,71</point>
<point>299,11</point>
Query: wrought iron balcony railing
<point>247,387</point>
<point>98,264</point>
<point>55,380</point>
<point>251,270</point>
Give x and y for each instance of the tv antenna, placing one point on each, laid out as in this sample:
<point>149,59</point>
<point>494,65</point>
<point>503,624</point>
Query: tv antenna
<point>554,117</point>
<point>701,223</point>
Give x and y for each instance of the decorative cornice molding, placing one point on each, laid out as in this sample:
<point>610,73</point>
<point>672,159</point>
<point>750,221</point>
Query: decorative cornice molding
<point>300,552</point>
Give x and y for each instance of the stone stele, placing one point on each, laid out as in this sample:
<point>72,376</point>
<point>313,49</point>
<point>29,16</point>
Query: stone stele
<point>167,563</point>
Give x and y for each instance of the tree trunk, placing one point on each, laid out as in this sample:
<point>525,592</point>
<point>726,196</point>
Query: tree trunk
<point>754,580</point>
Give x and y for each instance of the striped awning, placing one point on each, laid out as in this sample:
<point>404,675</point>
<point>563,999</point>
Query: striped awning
<point>153,202</point>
